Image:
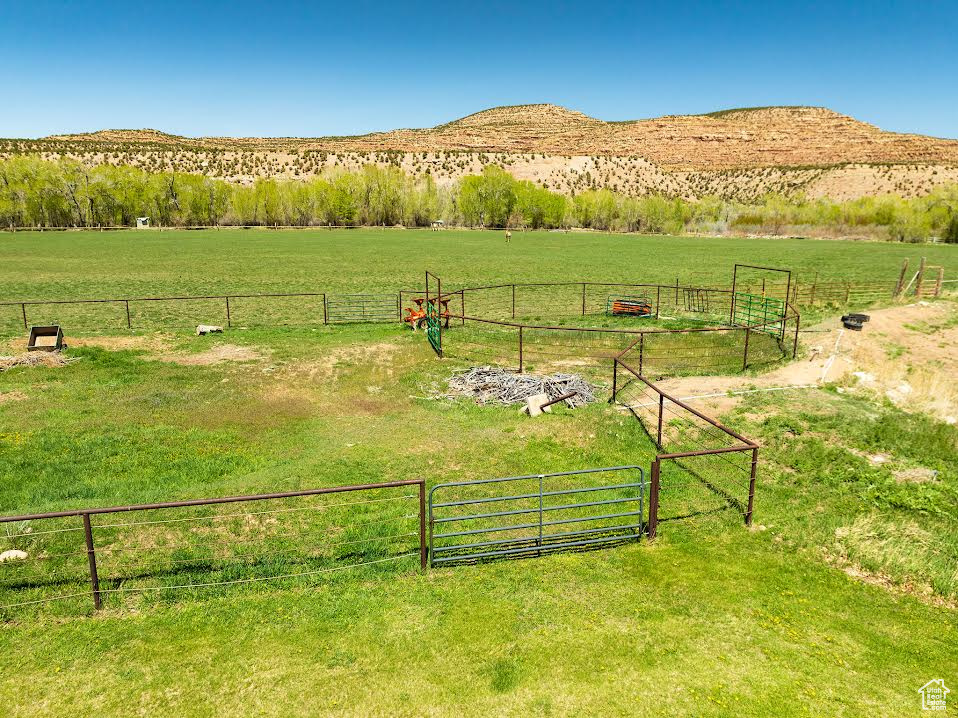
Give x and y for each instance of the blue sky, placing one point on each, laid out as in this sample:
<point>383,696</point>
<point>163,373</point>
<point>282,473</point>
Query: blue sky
<point>313,68</point>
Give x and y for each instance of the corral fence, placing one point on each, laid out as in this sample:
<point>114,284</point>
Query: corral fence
<point>661,352</point>
<point>699,300</point>
<point>536,514</point>
<point>174,546</point>
<point>500,324</point>
<point>703,468</point>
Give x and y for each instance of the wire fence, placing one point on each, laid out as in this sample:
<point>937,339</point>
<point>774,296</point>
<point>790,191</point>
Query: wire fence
<point>300,309</point>
<point>700,302</point>
<point>659,352</point>
<point>703,470</point>
<point>58,561</point>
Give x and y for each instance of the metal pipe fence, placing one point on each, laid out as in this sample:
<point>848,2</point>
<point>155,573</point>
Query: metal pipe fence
<point>703,469</point>
<point>167,547</point>
<point>660,352</point>
<point>529,302</point>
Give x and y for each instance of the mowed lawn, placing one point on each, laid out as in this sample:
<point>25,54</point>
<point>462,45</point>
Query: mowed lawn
<point>711,619</point>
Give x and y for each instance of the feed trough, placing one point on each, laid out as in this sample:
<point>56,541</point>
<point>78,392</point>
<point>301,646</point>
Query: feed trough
<point>45,339</point>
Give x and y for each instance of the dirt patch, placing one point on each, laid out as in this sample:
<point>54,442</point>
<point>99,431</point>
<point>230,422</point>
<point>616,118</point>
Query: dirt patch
<point>921,592</point>
<point>149,342</point>
<point>10,396</point>
<point>906,354</point>
<point>364,406</point>
<point>338,359</point>
<point>215,355</point>
<point>918,475</point>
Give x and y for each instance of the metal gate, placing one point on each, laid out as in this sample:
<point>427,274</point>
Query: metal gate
<point>751,309</point>
<point>433,314</point>
<point>520,516</point>
<point>696,300</point>
<point>343,308</point>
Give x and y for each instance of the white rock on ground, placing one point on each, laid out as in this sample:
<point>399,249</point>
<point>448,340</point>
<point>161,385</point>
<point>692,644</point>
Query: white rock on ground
<point>12,555</point>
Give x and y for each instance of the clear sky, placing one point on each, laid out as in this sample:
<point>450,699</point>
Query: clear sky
<point>315,68</point>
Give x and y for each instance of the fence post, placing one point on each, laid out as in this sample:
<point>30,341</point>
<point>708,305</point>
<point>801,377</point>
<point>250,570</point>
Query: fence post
<point>658,436</point>
<point>901,279</point>
<point>939,281</point>
<point>423,552</point>
<point>520,350</point>
<point>798,321</point>
<point>325,310</point>
<point>229,321</point>
<point>513,301</point>
<point>658,299</point>
<point>676,291</point>
<point>91,557</point>
<point>129,324</point>
<point>745,353</point>
<point>583,299</point>
<point>23,308</point>
<point>921,276</point>
<point>615,379</point>
<point>641,352</point>
<point>654,500</point>
<point>462,295</point>
<point>751,487</point>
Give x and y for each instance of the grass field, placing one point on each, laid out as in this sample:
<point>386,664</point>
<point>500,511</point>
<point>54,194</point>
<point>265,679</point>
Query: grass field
<point>69,265</point>
<point>711,619</point>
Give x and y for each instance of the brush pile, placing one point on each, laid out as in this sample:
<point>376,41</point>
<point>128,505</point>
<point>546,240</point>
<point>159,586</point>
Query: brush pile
<point>490,385</point>
<point>49,359</point>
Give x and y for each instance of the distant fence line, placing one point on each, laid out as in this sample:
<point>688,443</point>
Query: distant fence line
<point>334,308</point>
<point>521,297</point>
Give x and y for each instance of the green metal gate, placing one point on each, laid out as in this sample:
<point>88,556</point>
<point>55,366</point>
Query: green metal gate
<point>433,313</point>
<point>751,309</point>
<point>523,516</point>
<point>434,326</point>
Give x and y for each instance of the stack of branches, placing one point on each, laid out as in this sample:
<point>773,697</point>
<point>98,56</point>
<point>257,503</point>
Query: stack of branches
<point>488,384</point>
<point>50,359</point>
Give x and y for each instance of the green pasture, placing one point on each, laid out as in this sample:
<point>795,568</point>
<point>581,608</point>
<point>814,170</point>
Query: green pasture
<point>839,601</point>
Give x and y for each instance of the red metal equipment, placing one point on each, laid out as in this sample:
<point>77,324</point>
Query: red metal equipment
<point>416,316</point>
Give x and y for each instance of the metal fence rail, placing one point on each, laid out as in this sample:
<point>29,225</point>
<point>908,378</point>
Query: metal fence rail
<point>658,351</point>
<point>527,515</point>
<point>704,468</point>
<point>167,541</point>
<point>131,311</point>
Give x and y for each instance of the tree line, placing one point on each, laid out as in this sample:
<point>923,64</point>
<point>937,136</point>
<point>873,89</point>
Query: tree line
<point>65,193</point>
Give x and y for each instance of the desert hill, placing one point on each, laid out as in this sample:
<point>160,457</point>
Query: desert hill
<point>740,153</point>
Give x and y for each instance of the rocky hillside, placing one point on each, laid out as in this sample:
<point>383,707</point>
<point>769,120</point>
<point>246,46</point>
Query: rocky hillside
<point>734,153</point>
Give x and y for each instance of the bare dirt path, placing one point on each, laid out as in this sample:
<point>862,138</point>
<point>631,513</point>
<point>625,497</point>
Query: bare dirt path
<point>908,354</point>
